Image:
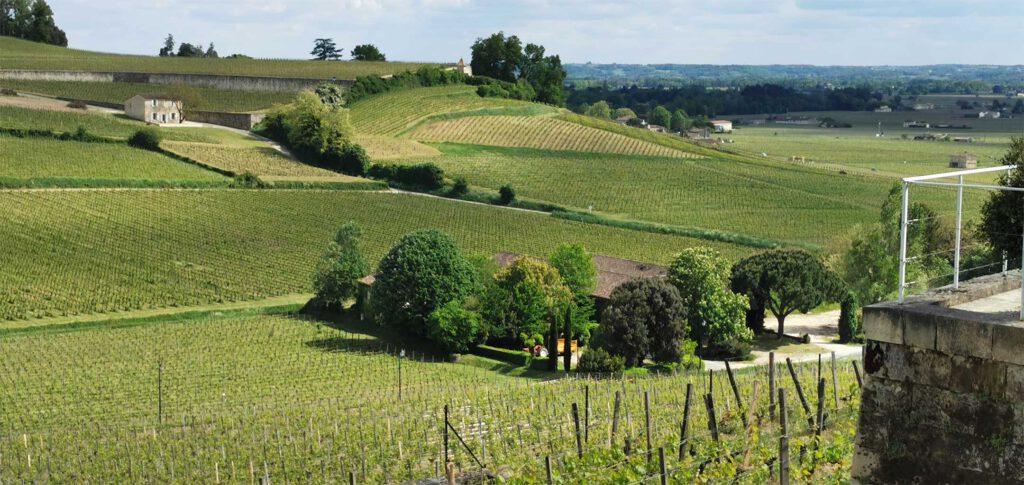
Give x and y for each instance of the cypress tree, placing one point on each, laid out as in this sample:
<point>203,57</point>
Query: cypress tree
<point>553,344</point>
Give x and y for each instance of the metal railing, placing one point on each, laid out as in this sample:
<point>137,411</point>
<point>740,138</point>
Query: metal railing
<point>935,180</point>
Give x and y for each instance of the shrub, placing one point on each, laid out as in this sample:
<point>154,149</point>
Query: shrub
<point>421,273</point>
<point>453,328</point>
<point>599,361</point>
<point>249,180</point>
<point>349,158</point>
<point>146,139</point>
<point>273,126</point>
<point>424,176</point>
<point>459,188</point>
<point>506,194</point>
<point>78,104</point>
<point>8,92</point>
<point>849,319</point>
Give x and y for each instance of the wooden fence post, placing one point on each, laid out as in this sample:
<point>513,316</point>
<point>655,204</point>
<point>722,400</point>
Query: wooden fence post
<point>856,370</point>
<point>800,392</point>
<point>547,467</point>
<point>664,470</point>
<point>709,402</point>
<point>771,386</point>
<point>579,438</point>
<point>783,440</point>
<point>615,417</point>
<point>647,424</point>
<point>736,393</point>
<point>686,421</point>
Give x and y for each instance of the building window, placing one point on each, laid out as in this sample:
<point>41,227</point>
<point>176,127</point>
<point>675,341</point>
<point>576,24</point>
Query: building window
<point>154,116</point>
<point>154,103</point>
<point>173,115</point>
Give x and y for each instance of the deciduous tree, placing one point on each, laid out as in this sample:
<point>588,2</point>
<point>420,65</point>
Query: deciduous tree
<point>420,274</point>
<point>336,278</point>
<point>367,52</point>
<point>715,314</point>
<point>785,280</point>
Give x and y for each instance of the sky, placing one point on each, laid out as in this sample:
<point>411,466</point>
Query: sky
<point>820,32</point>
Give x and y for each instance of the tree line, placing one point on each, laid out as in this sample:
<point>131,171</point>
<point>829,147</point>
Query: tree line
<point>30,20</point>
<point>700,101</point>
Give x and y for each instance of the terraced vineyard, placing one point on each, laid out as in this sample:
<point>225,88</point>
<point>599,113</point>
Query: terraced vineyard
<point>236,398</point>
<point>37,158</point>
<point>21,54</point>
<point>209,99</point>
<point>260,160</point>
<point>537,132</point>
<point>397,111</point>
<point>77,252</point>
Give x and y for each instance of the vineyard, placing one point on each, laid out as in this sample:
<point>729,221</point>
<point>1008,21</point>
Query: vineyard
<point>81,252</point>
<point>394,112</point>
<point>20,54</point>
<point>537,132</point>
<point>238,398</point>
<point>387,148</point>
<point>747,197</point>
<point>208,99</point>
<point>33,158</point>
<point>96,124</point>
<point>260,160</point>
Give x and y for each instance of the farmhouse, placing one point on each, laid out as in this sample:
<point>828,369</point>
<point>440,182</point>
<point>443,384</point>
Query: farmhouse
<point>611,272</point>
<point>463,68</point>
<point>963,160</point>
<point>656,128</point>
<point>154,108</point>
<point>883,109</point>
<point>722,126</point>
<point>924,106</point>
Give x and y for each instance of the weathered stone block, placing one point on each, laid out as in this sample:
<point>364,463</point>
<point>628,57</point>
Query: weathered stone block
<point>919,331</point>
<point>883,324</point>
<point>1008,343</point>
<point>959,337</point>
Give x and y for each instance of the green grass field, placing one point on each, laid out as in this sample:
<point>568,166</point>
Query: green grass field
<point>243,395</point>
<point>209,99</point>
<point>858,148</point>
<point>21,54</point>
<point>261,160</point>
<point>29,158</point>
<point>72,252</point>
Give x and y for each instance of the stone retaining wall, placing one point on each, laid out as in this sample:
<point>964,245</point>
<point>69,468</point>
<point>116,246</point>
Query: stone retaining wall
<point>241,83</point>
<point>242,121</point>
<point>943,397</point>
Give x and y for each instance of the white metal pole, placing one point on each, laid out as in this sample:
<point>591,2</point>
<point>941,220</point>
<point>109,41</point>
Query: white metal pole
<point>959,219</point>
<point>903,239</point>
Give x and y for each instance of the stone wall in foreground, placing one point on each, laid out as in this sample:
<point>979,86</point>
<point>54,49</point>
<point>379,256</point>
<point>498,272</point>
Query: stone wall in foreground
<point>943,397</point>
